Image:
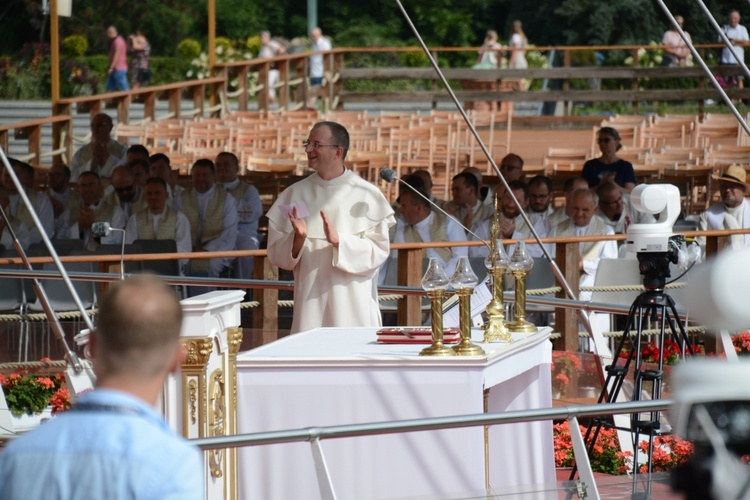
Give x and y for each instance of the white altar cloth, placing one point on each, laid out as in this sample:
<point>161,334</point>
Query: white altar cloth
<point>334,376</point>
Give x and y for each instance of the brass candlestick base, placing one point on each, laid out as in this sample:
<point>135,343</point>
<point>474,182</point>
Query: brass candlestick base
<point>520,324</point>
<point>437,348</point>
<point>466,348</point>
<point>495,329</point>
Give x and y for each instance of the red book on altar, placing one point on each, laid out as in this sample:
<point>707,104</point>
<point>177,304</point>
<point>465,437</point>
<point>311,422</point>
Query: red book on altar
<point>416,335</point>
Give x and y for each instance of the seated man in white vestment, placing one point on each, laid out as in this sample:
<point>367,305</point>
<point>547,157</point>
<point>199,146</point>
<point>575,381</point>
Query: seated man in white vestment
<point>512,225</point>
<point>733,211</point>
<point>331,230</point>
<point>159,221</point>
<point>466,205</point>
<point>159,166</point>
<point>102,154</point>
<point>563,213</point>
<point>420,224</point>
<point>125,192</point>
<point>94,208</point>
<point>249,211</point>
<point>212,213</point>
<point>20,230</point>
<point>585,222</point>
<point>62,197</point>
<point>17,210</point>
<point>617,211</point>
<point>540,201</point>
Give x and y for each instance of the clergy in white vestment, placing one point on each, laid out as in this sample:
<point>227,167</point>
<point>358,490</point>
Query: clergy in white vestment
<point>585,222</point>
<point>732,212</point>
<point>102,154</point>
<point>159,166</point>
<point>125,192</point>
<point>94,208</point>
<point>616,209</point>
<point>331,230</point>
<point>159,221</point>
<point>512,225</point>
<point>562,213</point>
<point>249,211</point>
<point>466,205</point>
<point>540,202</point>
<point>17,210</point>
<point>420,224</point>
<point>62,197</point>
<point>212,213</point>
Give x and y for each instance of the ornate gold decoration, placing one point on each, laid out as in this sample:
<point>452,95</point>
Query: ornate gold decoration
<point>234,339</point>
<point>216,419</point>
<point>495,329</point>
<point>193,398</point>
<point>198,351</point>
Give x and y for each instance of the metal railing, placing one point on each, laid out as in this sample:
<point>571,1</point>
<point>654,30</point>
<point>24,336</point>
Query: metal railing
<point>314,435</point>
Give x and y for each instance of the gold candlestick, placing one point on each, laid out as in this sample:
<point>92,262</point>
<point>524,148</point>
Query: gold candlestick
<point>497,265</point>
<point>464,280</point>
<point>437,348</point>
<point>435,282</point>
<point>520,265</point>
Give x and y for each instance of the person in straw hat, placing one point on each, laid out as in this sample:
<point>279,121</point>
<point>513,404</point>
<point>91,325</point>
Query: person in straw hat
<point>733,211</point>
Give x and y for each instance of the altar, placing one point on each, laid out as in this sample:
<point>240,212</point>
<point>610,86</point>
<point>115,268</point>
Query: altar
<point>333,376</point>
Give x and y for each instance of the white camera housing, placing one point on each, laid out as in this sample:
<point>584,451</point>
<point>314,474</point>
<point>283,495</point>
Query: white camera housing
<point>662,199</point>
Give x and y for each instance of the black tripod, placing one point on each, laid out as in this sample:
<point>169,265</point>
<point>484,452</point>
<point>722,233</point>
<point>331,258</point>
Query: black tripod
<point>660,307</point>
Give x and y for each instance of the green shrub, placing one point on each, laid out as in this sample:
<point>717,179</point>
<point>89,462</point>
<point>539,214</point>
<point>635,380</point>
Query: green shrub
<point>75,45</point>
<point>253,45</point>
<point>415,59</point>
<point>189,48</point>
<point>223,44</point>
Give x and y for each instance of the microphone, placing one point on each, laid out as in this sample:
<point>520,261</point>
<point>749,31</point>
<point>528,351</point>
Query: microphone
<point>102,229</point>
<point>389,175</point>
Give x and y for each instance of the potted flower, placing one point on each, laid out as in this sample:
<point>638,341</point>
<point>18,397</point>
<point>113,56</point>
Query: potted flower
<point>31,393</point>
<point>605,457</point>
<point>741,343</point>
<point>564,365</point>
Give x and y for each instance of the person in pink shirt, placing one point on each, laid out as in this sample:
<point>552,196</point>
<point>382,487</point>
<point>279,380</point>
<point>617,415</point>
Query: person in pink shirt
<point>118,62</point>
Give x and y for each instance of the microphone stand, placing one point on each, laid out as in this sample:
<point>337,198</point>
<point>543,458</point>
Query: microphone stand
<point>71,357</point>
<point>583,315</point>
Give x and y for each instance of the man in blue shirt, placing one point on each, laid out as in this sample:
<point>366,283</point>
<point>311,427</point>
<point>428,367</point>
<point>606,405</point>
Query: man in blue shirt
<point>112,443</point>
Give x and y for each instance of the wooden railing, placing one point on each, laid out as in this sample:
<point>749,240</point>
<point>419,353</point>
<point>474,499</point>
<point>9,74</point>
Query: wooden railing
<point>293,88</point>
<point>265,317</point>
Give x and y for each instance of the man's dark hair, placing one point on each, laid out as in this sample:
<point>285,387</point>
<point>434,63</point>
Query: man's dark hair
<point>339,135</point>
<point>156,180</point>
<point>413,192</point>
<point>519,186</point>
<point>541,179</point>
<point>606,188</point>
<point>138,149</point>
<point>89,173</point>
<point>233,156</point>
<point>158,157</point>
<point>513,156</point>
<point>469,179</point>
<point>204,162</point>
<point>24,167</point>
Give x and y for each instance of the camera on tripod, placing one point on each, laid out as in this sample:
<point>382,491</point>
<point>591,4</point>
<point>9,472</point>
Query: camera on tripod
<point>655,245</point>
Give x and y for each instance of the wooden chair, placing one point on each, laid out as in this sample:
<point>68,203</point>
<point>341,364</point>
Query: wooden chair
<point>561,157</point>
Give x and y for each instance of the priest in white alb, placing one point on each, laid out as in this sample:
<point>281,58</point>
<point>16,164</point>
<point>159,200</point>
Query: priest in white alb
<point>331,230</point>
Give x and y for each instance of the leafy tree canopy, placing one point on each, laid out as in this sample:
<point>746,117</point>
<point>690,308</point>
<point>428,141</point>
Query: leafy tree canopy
<point>378,22</point>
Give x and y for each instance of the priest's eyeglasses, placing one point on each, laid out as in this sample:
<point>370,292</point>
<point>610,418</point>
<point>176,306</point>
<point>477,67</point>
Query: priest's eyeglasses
<point>317,145</point>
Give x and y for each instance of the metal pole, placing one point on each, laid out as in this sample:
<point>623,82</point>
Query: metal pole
<point>47,242</point>
<point>583,315</point>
